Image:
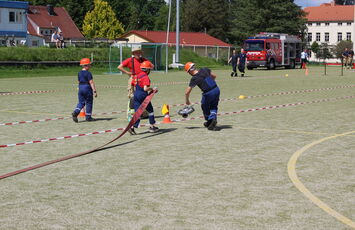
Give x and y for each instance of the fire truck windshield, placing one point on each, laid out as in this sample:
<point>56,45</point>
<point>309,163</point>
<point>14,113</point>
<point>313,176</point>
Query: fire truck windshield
<point>254,45</point>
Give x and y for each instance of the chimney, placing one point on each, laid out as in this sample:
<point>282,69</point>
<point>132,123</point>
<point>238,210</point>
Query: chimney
<point>50,10</point>
<point>332,3</point>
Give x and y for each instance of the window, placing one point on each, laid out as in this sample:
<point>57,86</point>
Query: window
<point>35,43</point>
<point>309,37</point>
<point>326,37</point>
<point>340,36</point>
<point>327,24</point>
<point>348,36</point>
<point>15,17</point>
<point>340,23</point>
<point>310,24</point>
<point>11,16</point>
<point>318,24</point>
<point>318,37</point>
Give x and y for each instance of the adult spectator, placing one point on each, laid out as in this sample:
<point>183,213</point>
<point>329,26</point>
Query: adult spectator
<point>345,56</point>
<point>304,59</point>
<point>350,58</point>
<point>133,64</point>
<point>233,61</point>
<point>242,60</point>
<point>55,39</point>
<point>61,39</point>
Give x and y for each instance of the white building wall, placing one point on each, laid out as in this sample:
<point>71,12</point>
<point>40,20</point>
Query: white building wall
<point>333,29</point>
<point>6,25</point>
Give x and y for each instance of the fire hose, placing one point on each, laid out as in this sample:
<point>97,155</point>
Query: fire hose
<point>135,117</point>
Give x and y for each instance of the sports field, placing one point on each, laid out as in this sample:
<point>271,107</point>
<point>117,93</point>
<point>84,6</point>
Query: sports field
<point>282,158</point>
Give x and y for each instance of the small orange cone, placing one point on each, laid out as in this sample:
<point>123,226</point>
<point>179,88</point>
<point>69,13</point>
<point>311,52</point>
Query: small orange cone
<point>306,73</point>
<point>82,112</point>
<point>166,114</point>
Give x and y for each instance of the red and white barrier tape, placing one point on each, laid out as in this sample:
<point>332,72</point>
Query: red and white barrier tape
<point>135,117</point>
<point>174,105</point>
<point>105,87</point>
<point>28,92</point>
<point>180,120</point>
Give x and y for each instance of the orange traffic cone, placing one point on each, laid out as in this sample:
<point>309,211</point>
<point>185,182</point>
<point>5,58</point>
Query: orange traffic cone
<point>82,112</point>
<point>165,112</point>
<point>167,118</point>
<point>306,73</point>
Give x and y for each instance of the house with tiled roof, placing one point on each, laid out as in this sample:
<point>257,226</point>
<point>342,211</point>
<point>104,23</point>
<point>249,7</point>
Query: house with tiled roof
<point>13,23</point>
<point>330,23</point>
<point>44,20</point>
<point>201,43</point>
<point>186,38</point>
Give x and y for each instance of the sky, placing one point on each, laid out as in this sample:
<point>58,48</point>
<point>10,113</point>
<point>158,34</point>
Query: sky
<point>306,3</point>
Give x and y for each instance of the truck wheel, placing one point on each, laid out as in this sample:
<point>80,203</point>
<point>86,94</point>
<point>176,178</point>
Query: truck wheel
<point>292,65</point>
<point>271,64</point>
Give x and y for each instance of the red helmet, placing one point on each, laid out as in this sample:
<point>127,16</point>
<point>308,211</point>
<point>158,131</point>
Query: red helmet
<point>85,61</point>
<point>189,66</point>
<point>146,65</point>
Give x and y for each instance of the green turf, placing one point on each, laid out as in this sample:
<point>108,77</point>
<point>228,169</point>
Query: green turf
<point>184,177</point>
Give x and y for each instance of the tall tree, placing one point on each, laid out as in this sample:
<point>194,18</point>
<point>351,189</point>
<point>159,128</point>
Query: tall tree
<point>137,14</point>
<point>210,16</point>
<point>101,22</point>
<point>77,9</point>
<point>278,16</point>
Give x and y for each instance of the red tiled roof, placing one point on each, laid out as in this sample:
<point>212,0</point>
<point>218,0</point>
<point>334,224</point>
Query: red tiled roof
<point>330,13</point>
<point>32,30</point>
<point>39,15</point>
<point>186,38</point>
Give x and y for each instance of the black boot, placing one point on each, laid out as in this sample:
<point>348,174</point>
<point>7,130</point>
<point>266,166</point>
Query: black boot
<point>74,115</point>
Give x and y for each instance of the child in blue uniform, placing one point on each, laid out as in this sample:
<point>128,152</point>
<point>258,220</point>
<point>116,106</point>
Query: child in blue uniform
<point>205,80</point>
<point>86,92</point>
<point>141,82</point>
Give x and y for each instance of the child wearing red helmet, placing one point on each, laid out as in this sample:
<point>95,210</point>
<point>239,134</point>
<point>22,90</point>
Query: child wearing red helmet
<point>141,82</point>
<point>87,91</point>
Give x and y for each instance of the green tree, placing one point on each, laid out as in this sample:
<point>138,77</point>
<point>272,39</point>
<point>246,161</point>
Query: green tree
<point>254,16</point>
<point>161,21</point>
<point>323,52</point>
<point>315,47</point>
<point>210,16</point>
<point>137,14</point>
<point>77,9</point>
<point>101,22</point>
<point>340,47</point>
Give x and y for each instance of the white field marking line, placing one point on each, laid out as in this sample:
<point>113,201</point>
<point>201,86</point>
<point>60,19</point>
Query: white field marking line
<point>179,120</point>
<point>291,168</point>
<point>175,105</point>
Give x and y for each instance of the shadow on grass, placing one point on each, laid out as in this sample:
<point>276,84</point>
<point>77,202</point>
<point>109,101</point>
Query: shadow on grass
<point>160,132</point>
<point>221,127</point>
<point>99,119</point>
<point>217,128</point>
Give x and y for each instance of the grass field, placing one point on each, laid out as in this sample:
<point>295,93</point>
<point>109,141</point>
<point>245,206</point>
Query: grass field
<point>184,177</point>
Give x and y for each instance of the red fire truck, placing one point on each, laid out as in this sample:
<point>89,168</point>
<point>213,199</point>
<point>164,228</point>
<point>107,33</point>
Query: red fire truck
<point>273,50</point>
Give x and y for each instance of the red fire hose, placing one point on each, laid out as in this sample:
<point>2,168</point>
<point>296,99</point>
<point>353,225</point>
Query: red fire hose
<point>135,117</point>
